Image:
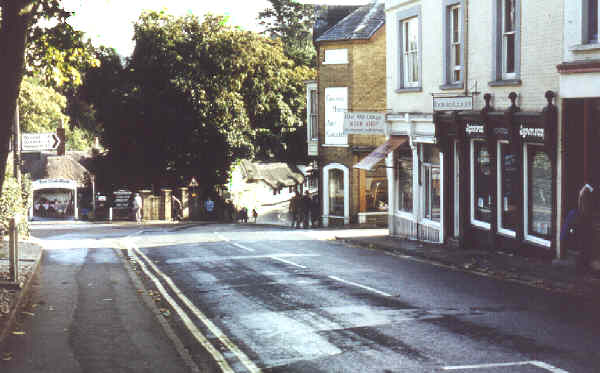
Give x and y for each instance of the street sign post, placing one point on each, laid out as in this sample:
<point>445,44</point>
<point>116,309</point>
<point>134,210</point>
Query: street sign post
<point>35,142</point>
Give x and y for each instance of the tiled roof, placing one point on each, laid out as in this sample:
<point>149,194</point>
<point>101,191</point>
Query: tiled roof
<point>360,24</point>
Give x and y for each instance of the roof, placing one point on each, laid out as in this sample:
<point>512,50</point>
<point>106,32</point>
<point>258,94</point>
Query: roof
<point>44,166</point>
<point>274,174</point>
<point>358,25</point>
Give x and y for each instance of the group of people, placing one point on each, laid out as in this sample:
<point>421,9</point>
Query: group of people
<point>52,209</point>
<point>304,210</point>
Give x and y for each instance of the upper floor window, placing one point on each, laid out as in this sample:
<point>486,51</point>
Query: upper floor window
<point>313,118</point>
<point>507,51</point>
<point>591,16</point>
<point>454,48</point>
<point>409,71</point>
<point>336,56</point>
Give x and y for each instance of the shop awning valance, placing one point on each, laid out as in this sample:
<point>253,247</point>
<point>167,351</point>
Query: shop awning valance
<point>393,143</point>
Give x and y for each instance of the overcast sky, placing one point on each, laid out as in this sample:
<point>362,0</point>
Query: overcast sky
<point>110,22</point>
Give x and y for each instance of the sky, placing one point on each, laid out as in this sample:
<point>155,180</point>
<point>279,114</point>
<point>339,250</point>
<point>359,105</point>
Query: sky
<point>110,22</point>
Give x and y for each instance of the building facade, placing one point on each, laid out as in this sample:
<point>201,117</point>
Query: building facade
<point>472,87</point>
<point>351,79</point>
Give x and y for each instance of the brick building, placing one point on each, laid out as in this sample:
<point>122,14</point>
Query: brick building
<point>351,79</point>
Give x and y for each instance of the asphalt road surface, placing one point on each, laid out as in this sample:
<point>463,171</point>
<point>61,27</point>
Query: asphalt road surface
<point>274,299</point>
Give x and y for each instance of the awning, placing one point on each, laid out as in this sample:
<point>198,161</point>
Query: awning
<point>381,152</point>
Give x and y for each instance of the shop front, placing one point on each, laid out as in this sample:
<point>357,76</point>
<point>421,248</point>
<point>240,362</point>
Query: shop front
<point>54,198</point>
<point>502,177</point>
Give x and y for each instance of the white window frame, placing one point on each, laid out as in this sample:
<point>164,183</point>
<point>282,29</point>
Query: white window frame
<point>505,35</point>
<point>475,222</point>
<point>500,200</point>
<point>456,171</point>
<point>409,55</point>
<point>529,237</point>
<point>325,194</point>
<point>403,18</point>
<point>455,43</point>
<point>424,187</point>
<point>313,114</point>
<point>336,57</point>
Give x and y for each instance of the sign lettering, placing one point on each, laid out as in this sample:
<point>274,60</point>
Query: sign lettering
<point>360,123</point>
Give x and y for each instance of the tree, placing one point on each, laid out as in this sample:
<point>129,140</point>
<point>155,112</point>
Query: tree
<point>292,23</point>
<point>18,23</point>
<point>193,97</point>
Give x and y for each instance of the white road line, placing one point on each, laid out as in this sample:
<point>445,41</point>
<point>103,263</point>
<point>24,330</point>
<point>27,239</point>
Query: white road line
<point>236,257</point>
<point>249,364</point>
<point>360,286</point>
<point>216,354</point>
<point>539,364</point>
<point>223,238</point>
<point>288,262</point>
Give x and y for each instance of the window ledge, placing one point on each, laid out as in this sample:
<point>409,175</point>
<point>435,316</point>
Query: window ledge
<point>448,86</point>
<point>409,89</point>
<point>582,48</point>
<point>505,83</point>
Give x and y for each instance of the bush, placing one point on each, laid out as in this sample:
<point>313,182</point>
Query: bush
<point>15,199</point>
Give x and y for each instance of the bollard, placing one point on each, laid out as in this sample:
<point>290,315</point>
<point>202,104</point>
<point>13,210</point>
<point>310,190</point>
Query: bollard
<point>110,214</point>
<point>13,251</point>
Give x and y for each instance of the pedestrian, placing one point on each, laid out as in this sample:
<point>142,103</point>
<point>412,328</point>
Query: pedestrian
<point>209,206</point>
<point>254,215</point>
<point>137,208</point>
<point>244,215</point>
<point>293,209</point>
<point>305,210</point>
<point>584,228</point>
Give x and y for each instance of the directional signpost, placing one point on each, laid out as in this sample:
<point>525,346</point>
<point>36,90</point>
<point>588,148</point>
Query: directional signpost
<point>35,142</point>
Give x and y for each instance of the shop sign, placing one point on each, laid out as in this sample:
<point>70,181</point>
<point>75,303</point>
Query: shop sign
<point>501,132</point>
<point>336,103</point>
<point>531,133</point>
<point>452,103</point>
<point>364,123</point>
<point>475,129</point>
<point>121,200</point>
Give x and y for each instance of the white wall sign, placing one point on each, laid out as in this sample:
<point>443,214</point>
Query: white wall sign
<point>452,103</point>
<point>364,123</point>
<point>34,142</point>
<point>336,103</point>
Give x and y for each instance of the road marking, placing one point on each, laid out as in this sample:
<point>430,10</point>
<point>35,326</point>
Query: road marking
<point>217,356</point>
<point>360,286</point>
<point>539,364</point>
<point>288,262</point>
<point>249,364</point>
<point>223,238</point>
<point>236,257</point>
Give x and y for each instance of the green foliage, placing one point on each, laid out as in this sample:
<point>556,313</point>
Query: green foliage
<point>194,97</point>
<point>292,23</point>
<point>41,110</point>
<point>15,200</point>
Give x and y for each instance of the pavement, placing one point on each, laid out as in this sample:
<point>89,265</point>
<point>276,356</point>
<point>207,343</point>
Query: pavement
<point>534,272</point>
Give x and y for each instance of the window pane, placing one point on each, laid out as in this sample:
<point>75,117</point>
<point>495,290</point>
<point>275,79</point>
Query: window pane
<point>540,192</point>
<point>314,125</point>
<point>509,42</point>
<point>509,15</point>
<point>376,189</point>
<point>435,193</point>
<point>509,174</point>
<point>483,182</point>
<point>336,192</point>
<point>405,177</point>
<point>427,192</point>
<point>593,21</point>
<point>431,154</point>
<point>413,34</point>
<point>455,25</point>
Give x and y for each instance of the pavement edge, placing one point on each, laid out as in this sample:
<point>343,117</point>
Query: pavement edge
<point>23,293</point>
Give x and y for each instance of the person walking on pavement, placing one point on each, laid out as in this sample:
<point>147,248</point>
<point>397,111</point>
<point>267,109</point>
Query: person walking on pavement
<point>314,210</point>
<point>305,210</point>
<point>293,209</point>
<point>137,208</point>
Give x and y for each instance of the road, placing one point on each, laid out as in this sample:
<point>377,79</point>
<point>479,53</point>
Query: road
<point>281,300</point>
<point>256,298</point>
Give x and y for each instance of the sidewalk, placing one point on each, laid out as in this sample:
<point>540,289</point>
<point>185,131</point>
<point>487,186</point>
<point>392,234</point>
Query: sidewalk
<point>504,266</point>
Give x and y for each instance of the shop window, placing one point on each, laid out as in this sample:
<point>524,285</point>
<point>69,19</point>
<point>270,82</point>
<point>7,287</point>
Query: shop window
<point>431,181</point>
<point>539,192</point>
<point>405,180</point>
<point>481,186</point>
<point>508,188</point>
<point>336,192</point>
<point>376,190</point>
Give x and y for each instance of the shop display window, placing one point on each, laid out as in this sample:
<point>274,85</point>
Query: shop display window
<point>431,182</point>
<point>539,192</point>
<point>507,204</point>
<point>376,189</point>
<point>482,182</point>
<point>336,192</point>
<point>405,179</point>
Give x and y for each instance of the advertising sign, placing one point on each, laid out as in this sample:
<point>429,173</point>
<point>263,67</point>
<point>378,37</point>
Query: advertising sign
<point>364,123</point>
<point>336,103</point>
<point>121,198</point>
